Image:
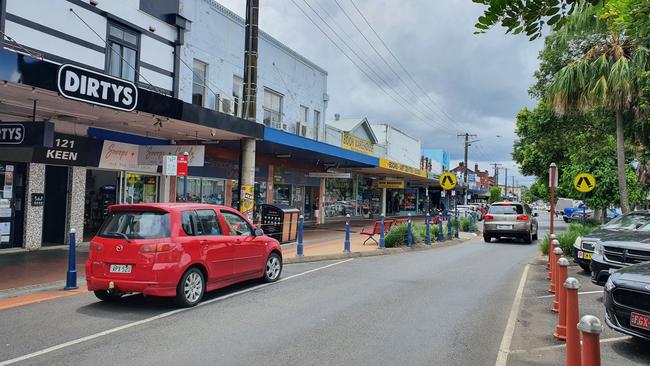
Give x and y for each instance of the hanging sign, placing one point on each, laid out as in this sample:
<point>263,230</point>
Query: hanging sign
<point>181,166</point>
<point>17,134</point>
<point>154,154</point>
<point>65,150</point>
<point>394,184</point>
<point>122,156</point>
<point>329,175</point>
<point>92,87</point>
<point>448,181</point>
<point>584,182</point>
<point>169,166</point>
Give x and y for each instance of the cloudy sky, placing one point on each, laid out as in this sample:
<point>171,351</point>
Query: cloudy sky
<point>479,81</point>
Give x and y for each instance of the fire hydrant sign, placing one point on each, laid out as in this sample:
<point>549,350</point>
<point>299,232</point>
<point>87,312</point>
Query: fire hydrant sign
<point>584,182</point>
<point>181,166</point>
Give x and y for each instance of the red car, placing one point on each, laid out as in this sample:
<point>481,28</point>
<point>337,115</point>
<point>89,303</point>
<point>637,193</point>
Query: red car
<point>179,250</point>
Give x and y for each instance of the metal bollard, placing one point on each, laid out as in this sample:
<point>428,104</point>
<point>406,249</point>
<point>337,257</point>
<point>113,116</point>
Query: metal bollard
<point>456,213</point>
<point>71,275</point>
<point>556,278</point>
<point>572,313</point>
<point>560,328</point>
<point>441,234</point>
<point>551,253</point>
<point>346,245</point>
<point>427,238</point>
<point>548,264</point>
<point>448,225</point>
<point>590,327</point>
<point>382,243</point>
<point>299,247</point>
<point>409,235</point>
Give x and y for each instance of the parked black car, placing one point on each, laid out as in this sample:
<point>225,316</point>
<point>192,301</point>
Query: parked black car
<point>583,248</point>
<point>627,300</point>
<point>626,249</point>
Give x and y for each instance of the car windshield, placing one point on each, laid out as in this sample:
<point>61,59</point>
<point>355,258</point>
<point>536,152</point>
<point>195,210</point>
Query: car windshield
<point>628,222</point>
<point>136,225</point>
<point>506,210</point>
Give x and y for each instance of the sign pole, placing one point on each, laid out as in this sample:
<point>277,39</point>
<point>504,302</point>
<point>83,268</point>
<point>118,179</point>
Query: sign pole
<point>552,177</point>
<point>186,154</point>
<point>584,209</point>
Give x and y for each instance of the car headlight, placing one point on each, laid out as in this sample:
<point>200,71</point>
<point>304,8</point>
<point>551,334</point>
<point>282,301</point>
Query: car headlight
<point>578,242</point>
<point>609,286</point>
<point>598,249</point>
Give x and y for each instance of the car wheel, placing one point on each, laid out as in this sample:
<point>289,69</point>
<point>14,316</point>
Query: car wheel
<point>273,268</point>
<point>585,267</point>
<point>107,296</point>
<point>529,238</point>
<point>190,288</point>
<point>535,236</point>
<point>487,238</point>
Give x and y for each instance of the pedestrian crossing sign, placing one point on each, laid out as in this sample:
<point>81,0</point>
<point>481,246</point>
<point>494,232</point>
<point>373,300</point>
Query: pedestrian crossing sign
<point>584,182</point>
<point>448,181</point>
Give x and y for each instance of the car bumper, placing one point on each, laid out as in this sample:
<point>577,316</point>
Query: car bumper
<point>579,256</point>
<point>506,233</point>
<point>618,319</point>
<point>600,270</point>
<point>129,286</point>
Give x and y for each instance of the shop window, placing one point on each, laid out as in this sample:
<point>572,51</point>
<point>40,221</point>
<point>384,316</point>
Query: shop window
<point>339,197</point>
<point>282,194</point>
<point>316,124</point>
<point>237,96</point>
<point>272,109</point>
<point>199,77</point>
<point>123,52</point>
<point>203,190</point>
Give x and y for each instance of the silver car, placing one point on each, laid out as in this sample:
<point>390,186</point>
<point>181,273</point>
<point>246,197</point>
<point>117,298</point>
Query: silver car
<point>510,220</point>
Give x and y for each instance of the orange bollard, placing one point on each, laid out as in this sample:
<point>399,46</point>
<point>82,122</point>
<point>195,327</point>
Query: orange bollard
<point>551,253</point>
<point>572,313</point>
<point>590,327</point>
<point>548,264</point>
<point>560,328</point>
<point>556,278</point>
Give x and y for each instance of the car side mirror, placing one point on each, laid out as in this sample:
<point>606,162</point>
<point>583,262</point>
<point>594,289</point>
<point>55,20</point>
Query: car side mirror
<point>259,232</point>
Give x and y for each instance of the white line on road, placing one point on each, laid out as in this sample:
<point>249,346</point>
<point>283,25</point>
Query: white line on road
<point>558,346</point>
<point>504,348</point>
<point>579,293</point>
<point>157,317</point>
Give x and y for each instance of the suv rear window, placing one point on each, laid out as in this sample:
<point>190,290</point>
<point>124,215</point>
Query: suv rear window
<point>136,225</point>
<point>506,210</point>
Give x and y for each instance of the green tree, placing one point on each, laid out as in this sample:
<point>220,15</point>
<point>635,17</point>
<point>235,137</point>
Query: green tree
<point>495,195</point>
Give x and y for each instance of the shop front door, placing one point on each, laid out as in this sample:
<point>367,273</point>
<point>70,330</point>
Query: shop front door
<point>298,198</point>
<point>56,202</point>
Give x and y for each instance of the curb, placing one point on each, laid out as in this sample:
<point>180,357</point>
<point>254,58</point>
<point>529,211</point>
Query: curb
<point>374,253</point>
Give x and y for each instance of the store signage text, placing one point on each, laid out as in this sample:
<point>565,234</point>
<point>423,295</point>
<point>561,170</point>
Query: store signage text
<point>393,165</point>
<point>89,86</point>
<point>154,154</point>
<point>66,150</point>
<point>351,142</point>
<point>394,184</point>
<point>122,156</point>
<point>330,175</point>
<point>181,166</point>
<point>26,133</point>
<point>12,134</point>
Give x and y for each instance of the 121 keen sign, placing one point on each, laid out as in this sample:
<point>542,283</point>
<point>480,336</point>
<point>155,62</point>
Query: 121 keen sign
<point>89,86</point>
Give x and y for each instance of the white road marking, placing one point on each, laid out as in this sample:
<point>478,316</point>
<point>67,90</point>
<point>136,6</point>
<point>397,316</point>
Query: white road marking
<point>558,346</point>
<point>157,317</point>
<point>504,348</point>
<point>579,293</point>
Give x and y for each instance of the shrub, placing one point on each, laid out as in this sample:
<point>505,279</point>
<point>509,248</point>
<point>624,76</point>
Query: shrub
<point>422,231</point>
<point>545,243</point>
<point>566,238</point>
<point>398,235</point>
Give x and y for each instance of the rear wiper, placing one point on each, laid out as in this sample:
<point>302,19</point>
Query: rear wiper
<point>115,233</point>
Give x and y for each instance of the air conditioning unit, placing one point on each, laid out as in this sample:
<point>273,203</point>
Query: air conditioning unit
<point>301,129</point>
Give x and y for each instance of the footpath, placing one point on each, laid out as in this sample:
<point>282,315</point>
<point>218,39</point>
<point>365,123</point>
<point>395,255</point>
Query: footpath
<point>34,276</point>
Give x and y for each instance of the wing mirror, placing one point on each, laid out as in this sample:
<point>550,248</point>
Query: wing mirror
<point>259,232</point>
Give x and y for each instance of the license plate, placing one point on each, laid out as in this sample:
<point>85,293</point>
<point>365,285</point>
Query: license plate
<point>640,321</point>
<point>504,227</point>
<point>120,268</point>
<point>584,255</point>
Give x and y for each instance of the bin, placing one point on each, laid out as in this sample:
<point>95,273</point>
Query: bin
<point>280,222</point>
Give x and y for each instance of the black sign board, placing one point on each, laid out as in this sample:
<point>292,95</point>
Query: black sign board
<point>19,134</point>
<point>38,199</point>
<point>89,86</point>
<point>65,150</point>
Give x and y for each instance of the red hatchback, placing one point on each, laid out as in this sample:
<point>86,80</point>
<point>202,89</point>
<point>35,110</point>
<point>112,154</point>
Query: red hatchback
<point>180,250</point>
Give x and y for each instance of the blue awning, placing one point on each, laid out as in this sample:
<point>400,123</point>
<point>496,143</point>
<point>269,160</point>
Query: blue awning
<point>277,142</point>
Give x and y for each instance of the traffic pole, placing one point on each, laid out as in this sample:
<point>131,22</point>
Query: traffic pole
<point>556,277</point>
<point>409,235</point>
<point>560,328</point>
<point>456,215</point>
<point>71,275</point>
<point>584,209</point>
<point>590,327</point>
<point>554,244</point>
<point>427,239</point>
<point>572,313</point>
<point>441,234</point>
<point>299,247</point>
<point>448,225</point>
<point>346,245</point>
<point>382,243</point>
<point>552,176</point>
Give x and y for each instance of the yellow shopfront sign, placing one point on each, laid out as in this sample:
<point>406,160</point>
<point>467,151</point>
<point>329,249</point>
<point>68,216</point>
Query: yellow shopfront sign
<point>393,184</point>
<point>354,143</point>
<point>402,168</point>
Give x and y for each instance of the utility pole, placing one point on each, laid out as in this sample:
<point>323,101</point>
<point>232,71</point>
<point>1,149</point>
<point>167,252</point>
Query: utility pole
<point>496,173</point>
<point>505,189</point>
<point>465,178</point>
<point>247,153</point>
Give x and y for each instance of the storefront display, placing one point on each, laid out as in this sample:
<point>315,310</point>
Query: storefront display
<point>203,190</point>
<point>339,197</point>
<point>11,204</point>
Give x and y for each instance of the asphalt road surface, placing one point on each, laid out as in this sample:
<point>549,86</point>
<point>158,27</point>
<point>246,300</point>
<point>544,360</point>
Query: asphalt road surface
<point>446,306</point>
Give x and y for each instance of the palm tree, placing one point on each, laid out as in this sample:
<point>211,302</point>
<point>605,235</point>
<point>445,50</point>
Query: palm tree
<point>607,76</point>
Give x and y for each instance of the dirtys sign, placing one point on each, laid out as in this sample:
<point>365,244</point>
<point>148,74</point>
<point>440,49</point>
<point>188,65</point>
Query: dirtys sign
<point>89,86</point>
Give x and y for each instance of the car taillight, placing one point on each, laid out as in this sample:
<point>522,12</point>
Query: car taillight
<point>522,217</point>
<point>156,248</point>
<point>488,217</point>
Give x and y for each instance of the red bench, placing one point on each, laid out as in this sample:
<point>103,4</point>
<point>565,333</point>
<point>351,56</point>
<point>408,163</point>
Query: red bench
<point>376,230</point>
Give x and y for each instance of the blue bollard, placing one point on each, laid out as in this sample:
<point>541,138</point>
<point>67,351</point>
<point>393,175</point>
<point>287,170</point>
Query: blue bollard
<point>441,233</point>
<point>71,275</point>
<point>346,244</point>
<point>300,247</point>
<point>427,239</point>
<point>584,215</point>
<point>448,225</point>
<point>382,244</point>
<point>456,234</point>
<point>409,236</point>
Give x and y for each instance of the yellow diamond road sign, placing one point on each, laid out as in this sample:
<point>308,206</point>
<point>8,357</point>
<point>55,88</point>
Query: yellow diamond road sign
<point>448,181</point>
<point>584,182</point>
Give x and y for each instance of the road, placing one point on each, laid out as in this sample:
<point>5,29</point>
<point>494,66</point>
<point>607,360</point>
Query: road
<point>446,306</point>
